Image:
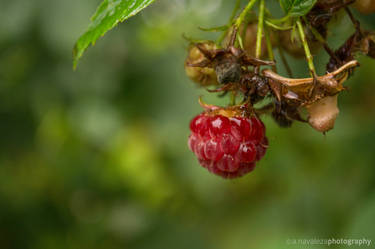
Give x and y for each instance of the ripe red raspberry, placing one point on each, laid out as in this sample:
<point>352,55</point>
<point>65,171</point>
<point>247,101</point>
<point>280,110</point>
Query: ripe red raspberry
<point>227,146</point>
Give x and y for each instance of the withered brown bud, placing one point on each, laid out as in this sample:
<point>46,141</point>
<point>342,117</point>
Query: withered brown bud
<point>371,52</point>
<point>204,76</point>
<point>365,6</point>
<point>227,72</point>
<point>370,44</point>
<point>323,113</point>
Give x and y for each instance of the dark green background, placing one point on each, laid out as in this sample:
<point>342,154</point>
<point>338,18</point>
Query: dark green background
<point>97,158</point>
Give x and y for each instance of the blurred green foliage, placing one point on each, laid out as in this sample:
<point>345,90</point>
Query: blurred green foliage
<point>97,158</point>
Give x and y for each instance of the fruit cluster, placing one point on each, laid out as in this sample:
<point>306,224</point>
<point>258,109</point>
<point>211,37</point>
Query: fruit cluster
<point>228,141</point>
<point>228,147</point>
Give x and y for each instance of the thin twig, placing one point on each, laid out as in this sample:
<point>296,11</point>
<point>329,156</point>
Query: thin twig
<point>277,27</point>
<point>243,14</point>
<point>269,48</point>
<point>233,15</point>
<point>309,57</point>
<point>233,98</point>
<point>321,39</point>
<point>258,50</point>
<point>355,22</point>
<point>234,12</point>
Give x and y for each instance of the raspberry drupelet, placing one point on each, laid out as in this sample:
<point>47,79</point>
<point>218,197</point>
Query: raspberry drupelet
<point>227,146</point>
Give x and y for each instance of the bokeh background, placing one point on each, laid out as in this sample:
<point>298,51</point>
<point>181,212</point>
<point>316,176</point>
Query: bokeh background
<point>98,158</point>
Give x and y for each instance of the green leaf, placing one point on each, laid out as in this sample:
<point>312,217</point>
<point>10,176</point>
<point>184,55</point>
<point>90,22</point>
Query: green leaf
<point>107,16</point>
<point>297,8</point>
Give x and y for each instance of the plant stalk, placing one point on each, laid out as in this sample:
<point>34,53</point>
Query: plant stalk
<point>271,55</point>
<point>232,16</point>
<point>258,50</point>
<point>243,14</point>
<point>233,98</point>
<point>309,57</point>
<point>236,7</point>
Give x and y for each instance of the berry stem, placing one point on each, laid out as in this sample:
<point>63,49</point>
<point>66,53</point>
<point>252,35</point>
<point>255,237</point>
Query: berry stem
<point>258,50</point>
<point>231,19</point>
<point>269,45</point>
<point>269,48</point>
<point>309,57</point>
<point>321,39</point>
<point>234,12</point>
<point>315,32</point>
<point>355,22</point>
<point>276,26</point>
<point>240,41</point>
<point>243,14</point>
<point>233,98</point>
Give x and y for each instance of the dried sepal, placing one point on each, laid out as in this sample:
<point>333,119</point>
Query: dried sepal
<point>204,76</point>
<point>360,42</point>
<point>323,113</point>
<point>306,91</point>
<point>243,110</point>
<point>318,96</point>
<point>227,62</point>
